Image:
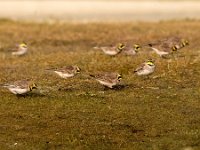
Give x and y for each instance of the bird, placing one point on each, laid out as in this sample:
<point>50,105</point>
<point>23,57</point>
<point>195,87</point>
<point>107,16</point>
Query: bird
<point>145,68</point>
<point>131,50</point>
<point>20,49</point>
<point>108,79</point>
<point>167,46</point>
<point>162,49</point>
<point>112,50</point>
<point>177,41</point>
<point>20,87</point>
<point>66,71</point>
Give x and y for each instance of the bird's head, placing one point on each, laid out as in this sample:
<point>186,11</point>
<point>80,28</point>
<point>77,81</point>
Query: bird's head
<point>78,70</point>
<point>23,45</point>
<point>121,46</point>
<point>184,43</point>
<point>174,48</point>
<point>32,86</point>
<point>119,77</point>
<point>137,47</point>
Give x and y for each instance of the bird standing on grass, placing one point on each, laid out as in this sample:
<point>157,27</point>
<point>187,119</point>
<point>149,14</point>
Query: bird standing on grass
<point>178,42</point>
<point>145,68</point>
<point>20,87</point>
<point>131,50</point>
<point>167,46</point>
<point>20,49</point>
<point>112,50</point>
<point>67,71</point>
<point>108,79</point>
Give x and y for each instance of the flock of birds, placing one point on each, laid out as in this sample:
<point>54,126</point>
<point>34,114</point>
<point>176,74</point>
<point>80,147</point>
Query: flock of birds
<point>162,47</point>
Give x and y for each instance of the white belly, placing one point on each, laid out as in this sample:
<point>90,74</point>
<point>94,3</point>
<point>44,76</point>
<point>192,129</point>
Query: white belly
<point>161,53</point>
<point>18,90</point>
<point>108,84</point>
<point>109,52</point>
<point>21,52</point>
<point>145,72</point>
<point>64,75</point>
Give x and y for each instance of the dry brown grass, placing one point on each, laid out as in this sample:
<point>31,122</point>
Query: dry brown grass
<point>77,113</point>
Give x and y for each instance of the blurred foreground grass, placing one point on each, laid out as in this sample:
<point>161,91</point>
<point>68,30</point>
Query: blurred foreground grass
<point>161,112</point>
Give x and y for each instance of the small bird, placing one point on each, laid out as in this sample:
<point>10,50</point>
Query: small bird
<point>108,79</point>
<point>131,51</point>
<point>167,46</point>
<point>145,68</point>
<point>177,41</point>
<point>67,71</point>
<point>20,87</point>
<point>162,49</point>
<point>20,49</point>
<point>112,50</point>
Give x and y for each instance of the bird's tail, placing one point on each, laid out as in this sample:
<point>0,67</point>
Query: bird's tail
<point>97,48</point>
<point>4,85</point>
<point>150,44</point>
<point>50,69</point>
<point>91,75</point>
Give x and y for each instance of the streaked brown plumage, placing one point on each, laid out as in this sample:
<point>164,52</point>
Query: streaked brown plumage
<point>21,86</point>
<point>166,46</point>
<point>66,71</point>
<point>108,79</point>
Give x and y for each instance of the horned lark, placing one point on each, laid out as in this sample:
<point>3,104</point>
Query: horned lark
<point>112,50</point>
<point>67,71</point>
<point>108,79</point>
<point>145,68</point>
<point>20,49</point>
<point>177,42</point>
<point>162,49</point>
<point>167,46</point>
<point>129,50</point>
<point>20,87</point>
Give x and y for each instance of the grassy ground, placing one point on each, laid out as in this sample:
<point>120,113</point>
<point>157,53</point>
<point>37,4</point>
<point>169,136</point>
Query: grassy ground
<point>161,112</point>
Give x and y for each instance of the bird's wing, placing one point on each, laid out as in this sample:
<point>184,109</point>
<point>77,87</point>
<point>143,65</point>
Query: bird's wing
<point>140,67</point>
<point>66,69</point>
<point>110,48</point>
<point>106,79</point>
<point>166,47</point>
<point>22,84</point>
